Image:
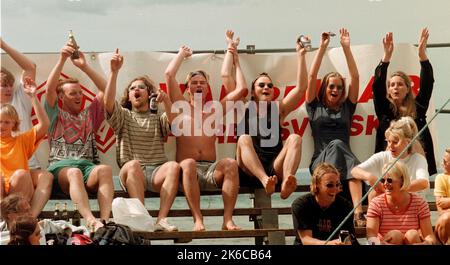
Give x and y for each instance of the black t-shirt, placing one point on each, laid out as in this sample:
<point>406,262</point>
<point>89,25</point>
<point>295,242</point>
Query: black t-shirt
<point>308,215</point>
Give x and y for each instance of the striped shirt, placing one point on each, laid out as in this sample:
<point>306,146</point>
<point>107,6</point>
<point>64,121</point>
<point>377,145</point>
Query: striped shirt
<point>409,219</point>
<point>140,136</point>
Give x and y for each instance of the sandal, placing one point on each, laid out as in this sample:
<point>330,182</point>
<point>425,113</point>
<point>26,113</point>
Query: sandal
<point>359,220</point>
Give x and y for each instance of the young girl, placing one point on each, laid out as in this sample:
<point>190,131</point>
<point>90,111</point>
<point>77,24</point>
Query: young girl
<point>16,150</point>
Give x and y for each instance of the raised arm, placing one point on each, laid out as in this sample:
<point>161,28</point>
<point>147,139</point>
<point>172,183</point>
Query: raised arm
<point>426,72</point>
<point>423,44</point>
<point>311,92</point>
<point>388,46</point>
<point>171,73</point>
<point>53,78</point>
<point>44,123</point>
<point>353,88</point>
<point>227,66</point>
<point>96,77</point>
<point>289,103</point>
<point>241,85</point>
<point>28,66</point>
<point>111,86</point>
<point>381,103</point>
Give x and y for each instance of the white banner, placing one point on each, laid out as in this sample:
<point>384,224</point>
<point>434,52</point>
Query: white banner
<point>280,66</point>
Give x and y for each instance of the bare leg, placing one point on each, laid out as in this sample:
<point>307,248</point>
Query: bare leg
<point>42,181</point>
<point>133,178</point>
<point>355,187</point>
<point>442,230</point>
<point>71,182</point>
<point>394,237</point>
<point>412,237</point>
<point>286,164</point>
<point>100,180</point>
<point>20,181</point>
<point>166,183</point>
<point>191,190</point>
<point>226,176</point>
<point>248,160</point>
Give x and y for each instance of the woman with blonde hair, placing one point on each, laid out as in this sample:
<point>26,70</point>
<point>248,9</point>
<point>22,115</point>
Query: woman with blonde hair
<point>398,136</point>
<point>394,98</point>
<point>398,216</point>
<point>317,214</point>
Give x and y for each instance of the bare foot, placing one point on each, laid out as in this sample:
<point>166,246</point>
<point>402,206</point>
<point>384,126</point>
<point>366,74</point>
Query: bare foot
<point>230,225</point>
<point>199,226</point>
<point>269,186</point>
<point>288,186</point>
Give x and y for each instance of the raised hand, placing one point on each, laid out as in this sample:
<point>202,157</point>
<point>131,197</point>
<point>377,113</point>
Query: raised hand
<point>388,45</point>
<point>301,50</point>
<point>66,51</point>
<point>79,62</point>
<point>161,95</point>
<point>116,61</point>
<point>423,44</point>
<point>325,40</point>
<point>186,51</point>
<point>345,38</point>
<point>229,35</point>
<point>29,87</point>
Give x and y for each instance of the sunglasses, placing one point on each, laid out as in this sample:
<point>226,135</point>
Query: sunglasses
<point>140,86</point>
<point>331,185</point>
<point>333,86</point>
<point>388,180</point>
<point>262,85</point>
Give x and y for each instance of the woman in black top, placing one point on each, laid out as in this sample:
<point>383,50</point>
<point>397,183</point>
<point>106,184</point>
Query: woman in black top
<point>330,115</point>
<point>261,156</point>
<point>394,98</point>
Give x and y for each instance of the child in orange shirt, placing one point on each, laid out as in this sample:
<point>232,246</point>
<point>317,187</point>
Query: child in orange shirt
<point>16,150</point>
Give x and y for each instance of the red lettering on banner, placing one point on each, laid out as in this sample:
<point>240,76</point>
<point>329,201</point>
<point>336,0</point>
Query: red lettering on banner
<point>367,93</point>
<point>356,128</point>
<point>372,124</point>
<point>276,92</point>
<point>415,83</point>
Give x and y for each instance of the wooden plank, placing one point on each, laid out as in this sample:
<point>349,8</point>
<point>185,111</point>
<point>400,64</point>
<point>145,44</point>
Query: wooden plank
<point>216,212</point>
<point>150,194</point>
<point>211,234</point>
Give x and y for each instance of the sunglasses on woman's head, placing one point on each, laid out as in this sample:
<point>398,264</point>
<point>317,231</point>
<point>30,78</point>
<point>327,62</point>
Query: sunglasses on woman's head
<point>262,85</point>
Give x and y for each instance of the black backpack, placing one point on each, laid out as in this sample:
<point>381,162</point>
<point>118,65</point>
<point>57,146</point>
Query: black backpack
<point>117,234</point>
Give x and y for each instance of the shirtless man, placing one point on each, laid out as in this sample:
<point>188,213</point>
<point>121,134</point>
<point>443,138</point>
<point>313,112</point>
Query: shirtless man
<point>195,152</point>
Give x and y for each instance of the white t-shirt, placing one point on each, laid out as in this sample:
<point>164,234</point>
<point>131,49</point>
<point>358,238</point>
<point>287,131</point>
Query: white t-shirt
<point>416,163</point>
<point>22,104</point>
